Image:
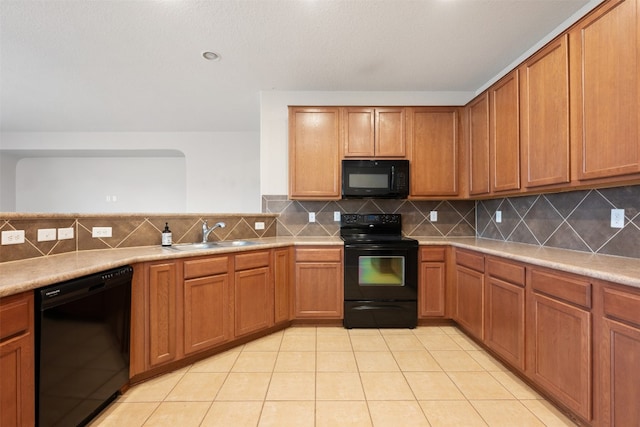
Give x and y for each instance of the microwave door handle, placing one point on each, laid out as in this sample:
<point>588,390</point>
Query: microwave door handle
<point>393,177</point>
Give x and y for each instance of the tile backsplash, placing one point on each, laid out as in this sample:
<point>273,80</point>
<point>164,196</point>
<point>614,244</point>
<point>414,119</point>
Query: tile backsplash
<point>455,218</point>
<point>128,230</point>
<point>577,220</point>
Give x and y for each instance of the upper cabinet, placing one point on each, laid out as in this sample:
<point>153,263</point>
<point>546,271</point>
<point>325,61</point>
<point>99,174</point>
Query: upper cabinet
<point>314,153</point>
<point>504,134</point>
<point>478,133</point>
<point>544,116</point>
<point>433,140</point>
<point>374,132</point>
<point>605,91</point>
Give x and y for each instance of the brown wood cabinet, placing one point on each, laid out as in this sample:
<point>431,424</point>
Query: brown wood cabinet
<point>374,132</point>
<point>283,280</point>
<point>432,282</point>
<point>319,291</point>
<point>253,292</point>
<point>504,134</point>
<point>469,292</point>
<point>544,116</point>
<point>505,310</point>
<point>17,363</point>
<point>161,308</point>
<point>478,134</point>
<point>605,91</point>
<point>559,337</point>
<point>207,300</point>
<point>315,138</point>
<point>433,150</point>
<point>618,334</point>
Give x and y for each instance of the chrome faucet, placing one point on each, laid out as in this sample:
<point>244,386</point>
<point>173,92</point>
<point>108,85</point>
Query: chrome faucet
<point>206,230</point>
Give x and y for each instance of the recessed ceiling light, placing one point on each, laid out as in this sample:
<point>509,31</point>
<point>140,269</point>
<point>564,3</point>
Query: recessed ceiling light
<point>211,56</point>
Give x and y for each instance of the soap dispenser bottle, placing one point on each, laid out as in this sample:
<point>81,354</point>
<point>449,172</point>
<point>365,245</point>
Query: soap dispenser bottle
<point>166,235</point>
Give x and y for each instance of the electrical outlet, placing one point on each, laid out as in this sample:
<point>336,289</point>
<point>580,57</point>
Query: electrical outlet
<point>336,216</point>
<point>46,234</point>
<point>433,216</point>
<point>65,233</point>
<point>312,217</point>
<point>617,218</point>
<point>12,237</point>
<point>101,232</point>
<point>498,216</point>
<point>259,225</point>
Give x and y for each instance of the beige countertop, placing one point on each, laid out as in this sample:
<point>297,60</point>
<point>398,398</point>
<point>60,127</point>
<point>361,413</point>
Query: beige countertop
<point>24,275</point>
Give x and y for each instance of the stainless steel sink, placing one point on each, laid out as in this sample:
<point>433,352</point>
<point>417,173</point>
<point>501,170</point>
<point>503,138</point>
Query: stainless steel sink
<point>237,243</point>
<point>195,246</point>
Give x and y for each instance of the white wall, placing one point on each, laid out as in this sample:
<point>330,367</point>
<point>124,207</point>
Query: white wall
<point>274,127</point>
<point>221,168</point>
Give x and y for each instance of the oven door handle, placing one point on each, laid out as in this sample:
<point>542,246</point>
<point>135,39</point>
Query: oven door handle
<point>378,307</point>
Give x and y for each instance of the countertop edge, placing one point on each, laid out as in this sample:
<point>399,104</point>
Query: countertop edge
<point>26,275</point>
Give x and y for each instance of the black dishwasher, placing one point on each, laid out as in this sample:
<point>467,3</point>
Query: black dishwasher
<point>82,346</point>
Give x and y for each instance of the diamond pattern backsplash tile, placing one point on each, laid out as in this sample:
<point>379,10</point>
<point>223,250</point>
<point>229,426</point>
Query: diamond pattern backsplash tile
<point>455,218</point>
<point>577,220</point>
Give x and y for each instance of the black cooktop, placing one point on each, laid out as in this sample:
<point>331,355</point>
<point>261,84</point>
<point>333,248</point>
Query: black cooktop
<point>373,227</point>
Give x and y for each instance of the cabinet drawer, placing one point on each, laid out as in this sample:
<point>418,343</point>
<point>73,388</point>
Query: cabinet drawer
<point>507,271</point>
<point>205,267</point>
<point>319,254</point>
<point>471,260</point>
<point>15,315</point>
<point>621,305</point>
<point>252,260</point>
<point>568,288</point>
<point>432,254</point>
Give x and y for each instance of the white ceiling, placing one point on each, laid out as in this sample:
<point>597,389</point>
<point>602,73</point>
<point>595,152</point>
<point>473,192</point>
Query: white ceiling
<point>136,65</point>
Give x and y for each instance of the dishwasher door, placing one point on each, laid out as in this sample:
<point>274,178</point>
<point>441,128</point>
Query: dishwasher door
<point>82,346</point>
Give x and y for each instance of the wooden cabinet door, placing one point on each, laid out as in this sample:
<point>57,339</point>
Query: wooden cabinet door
<point>433,139</point>
<point>207,312</point>
<point>17,362</point>
<point>505,134</point>
<point>431,289</point>
<point>162,315</point>
<point>544,116</point>
<point>559,355</point>
<point>505,310</point>
<point>374,132</point>
<point>619,358</point>
<point>390,133</point>
<point>605,54</point>
<point>253,299</point>
<point>283,279</point>
<point>469,307</point>
<point>478,134</point>
<point>314,153</point>
<point>319,289</point>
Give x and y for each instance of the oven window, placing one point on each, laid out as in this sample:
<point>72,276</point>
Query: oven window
<point>381,270</point>
<point>368,180</point>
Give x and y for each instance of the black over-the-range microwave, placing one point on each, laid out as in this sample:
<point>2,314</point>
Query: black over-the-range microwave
<point>384,179</point>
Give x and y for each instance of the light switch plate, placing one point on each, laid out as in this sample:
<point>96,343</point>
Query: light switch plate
<point>46,234</point>
<point>65,233</point>
<point>312,217</point>
<point>433,216</point>
<point>336,216</point>
<point>498,216</point>
<point>259,225</point>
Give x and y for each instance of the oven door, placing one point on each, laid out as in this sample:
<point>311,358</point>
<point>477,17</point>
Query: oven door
<point>381,271</point>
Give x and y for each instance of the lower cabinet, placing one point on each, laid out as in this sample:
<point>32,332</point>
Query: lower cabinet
<point>432,282</point>
<point>282,282</point>
<point>504,316</point>
<point>17,364</point>
<point>559,337</point>
<point>469,292</point>
<point>207,298</point>
<point>618,331</point>
<point>160,308</point>
<point>253,293</point>
<point>319,291</point>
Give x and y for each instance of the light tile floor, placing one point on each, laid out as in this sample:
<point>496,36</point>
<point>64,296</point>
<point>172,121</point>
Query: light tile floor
<point>331,376</point>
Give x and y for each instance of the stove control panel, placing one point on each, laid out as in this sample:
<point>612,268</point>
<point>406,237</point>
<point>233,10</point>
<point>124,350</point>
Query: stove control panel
<point>371,219</point>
